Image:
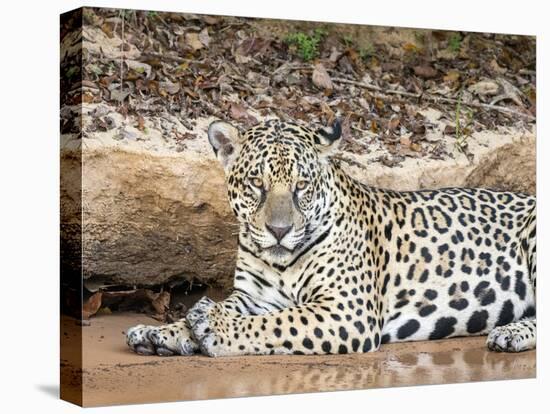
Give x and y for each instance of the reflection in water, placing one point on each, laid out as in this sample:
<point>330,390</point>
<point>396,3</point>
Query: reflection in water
<point>182,378</point>
<point>408,369</point>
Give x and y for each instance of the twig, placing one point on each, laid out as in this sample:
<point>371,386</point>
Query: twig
<point>434,98</point>
<point>482,106</point>
<point>176,59</point>
<point>527,72</point>
<point>377,88</point>
<point>290,66</point>
<point>231,25</point>
<point>349,161</point>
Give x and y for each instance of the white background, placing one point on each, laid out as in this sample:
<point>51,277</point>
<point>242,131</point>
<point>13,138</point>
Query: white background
<point>29,169</point>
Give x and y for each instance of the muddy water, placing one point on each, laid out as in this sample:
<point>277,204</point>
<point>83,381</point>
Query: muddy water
<point>114,375</point>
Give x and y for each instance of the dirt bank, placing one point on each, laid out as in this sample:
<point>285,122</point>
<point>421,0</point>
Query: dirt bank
<point>114,375</point>
<point>151,215</point>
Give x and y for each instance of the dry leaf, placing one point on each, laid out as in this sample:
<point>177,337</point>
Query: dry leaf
<point>335,54</point>
<point>484,88</point>
<point>452,76</point>
<point>411,47</point>
<point>242,59</point>
<point>141,123</point>
<point>510,92</point>
<point>327,111</point>
<point>169,87</point>
<point>374,126</point>
<point>118,95</point>
<point>212,20</point>
<point>204,38</point>
<point>496,67</point>
<point>432,115</point>
<point>238,112</point>
<point>87,97</point>
<point>92,305</point>
<point>393,123</point>
<point>140,300</point>
<point>139,67</point>
<point>449,130</point>
<point>161,303</point>
<point>425,71</point>
<point>107,29</point>
<point>379,103</point>
<point>405,141</point>
<point>192,40</point>
<point>321,78</point>
<point>415,147</point>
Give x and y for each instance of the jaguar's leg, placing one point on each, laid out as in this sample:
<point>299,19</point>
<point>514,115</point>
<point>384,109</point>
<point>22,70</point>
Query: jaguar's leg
<point>529,247</point>
<point>514,337</point>
<point>313,328</point>
<point>165,340</point>
<point>521,335</point>
<point>177,338</point>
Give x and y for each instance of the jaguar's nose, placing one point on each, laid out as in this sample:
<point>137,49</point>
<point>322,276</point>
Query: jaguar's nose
<point>278,232</point>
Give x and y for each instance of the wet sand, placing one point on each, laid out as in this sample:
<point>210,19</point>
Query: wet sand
<point>112,374</point>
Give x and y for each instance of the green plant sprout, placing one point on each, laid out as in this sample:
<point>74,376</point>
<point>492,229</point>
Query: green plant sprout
<point>307,46</point>
<point>455,42</point>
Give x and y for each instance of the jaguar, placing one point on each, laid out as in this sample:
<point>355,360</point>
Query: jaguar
<point>329,265</point>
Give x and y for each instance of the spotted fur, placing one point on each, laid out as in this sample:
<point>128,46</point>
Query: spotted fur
<point>329,265</point>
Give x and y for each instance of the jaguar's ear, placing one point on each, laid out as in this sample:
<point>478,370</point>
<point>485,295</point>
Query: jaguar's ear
<point>226,142</point>
<point>328,138</point>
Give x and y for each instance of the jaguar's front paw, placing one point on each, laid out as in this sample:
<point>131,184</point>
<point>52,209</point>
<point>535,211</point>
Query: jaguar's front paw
<point>200,318</point>
<point>167,340</point>
<point>137,338</point>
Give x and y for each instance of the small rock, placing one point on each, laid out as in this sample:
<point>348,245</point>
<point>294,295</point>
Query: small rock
<point>100,111</point>
<point>127,133</point>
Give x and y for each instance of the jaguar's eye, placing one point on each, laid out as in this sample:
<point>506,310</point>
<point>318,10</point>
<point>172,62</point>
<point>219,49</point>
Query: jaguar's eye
<point>257,182</point>
<point>302,184</point>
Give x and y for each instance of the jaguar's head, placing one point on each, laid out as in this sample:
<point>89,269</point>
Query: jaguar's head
<point>277,180</point>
